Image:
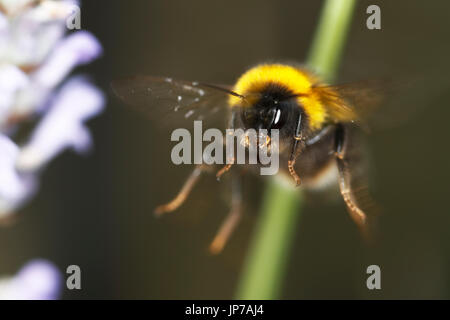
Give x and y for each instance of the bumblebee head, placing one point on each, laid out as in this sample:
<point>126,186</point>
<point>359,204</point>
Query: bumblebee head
<point>276,96</point>
<point>274,107</point>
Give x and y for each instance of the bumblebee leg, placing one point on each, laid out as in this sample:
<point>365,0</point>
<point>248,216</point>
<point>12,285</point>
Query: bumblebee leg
<point>343,163</point>
<point>224,170</point>
<point>295,151</point>
<point>183,194</point>
<point>232,219</point>
<point>291,164</point>
<point>356,213</point>
<point>227,167</point>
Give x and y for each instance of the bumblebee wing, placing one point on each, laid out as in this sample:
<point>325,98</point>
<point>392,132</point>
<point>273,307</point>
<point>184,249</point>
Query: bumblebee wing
<point>354,102</point>
<point>381,103</point>
<point>172,99</point>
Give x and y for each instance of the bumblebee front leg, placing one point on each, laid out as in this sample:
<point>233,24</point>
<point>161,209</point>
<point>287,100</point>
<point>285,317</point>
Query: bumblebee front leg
<point>232,219</point>
<point>184,192</point>
<point>345,176</point>
<point>295,151</point>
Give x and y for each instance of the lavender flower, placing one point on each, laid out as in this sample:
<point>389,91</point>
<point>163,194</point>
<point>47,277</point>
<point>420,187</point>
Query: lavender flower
<point>35,59</point>
<point>14,187</point>
<point>37,280</point>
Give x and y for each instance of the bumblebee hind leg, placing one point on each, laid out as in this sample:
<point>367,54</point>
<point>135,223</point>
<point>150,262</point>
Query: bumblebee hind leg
<point>183,194</point>
<point>350,169</point>
<point>232,219</point>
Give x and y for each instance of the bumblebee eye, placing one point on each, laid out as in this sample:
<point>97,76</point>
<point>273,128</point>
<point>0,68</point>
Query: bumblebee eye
<point>279,119</point>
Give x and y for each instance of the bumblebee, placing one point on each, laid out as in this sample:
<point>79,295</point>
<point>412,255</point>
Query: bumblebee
<point>319,128</point>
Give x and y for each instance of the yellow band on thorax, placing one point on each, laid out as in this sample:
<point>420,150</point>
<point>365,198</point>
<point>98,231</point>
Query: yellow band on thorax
<point>294,79</point>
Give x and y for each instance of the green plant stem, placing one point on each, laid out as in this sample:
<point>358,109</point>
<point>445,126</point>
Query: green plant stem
<point>265,265</point>
<point>269,249</point>
<point>330,37</point>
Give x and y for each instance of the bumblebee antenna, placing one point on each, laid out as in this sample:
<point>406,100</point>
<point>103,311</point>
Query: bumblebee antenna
<point>231,92</point>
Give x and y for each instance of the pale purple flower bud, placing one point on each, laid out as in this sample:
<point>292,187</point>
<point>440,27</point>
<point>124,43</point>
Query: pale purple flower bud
<point>63,125</point>
<point>4,29</point>
<point>15,188</point>
<point>11,80</point>
<point>78,48</point>
<point>34,30</point>
<point>35,60</point>
<point>37,280</point>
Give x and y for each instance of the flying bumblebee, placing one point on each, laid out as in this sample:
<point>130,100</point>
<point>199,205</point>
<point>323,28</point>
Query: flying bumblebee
<point>318,125</point>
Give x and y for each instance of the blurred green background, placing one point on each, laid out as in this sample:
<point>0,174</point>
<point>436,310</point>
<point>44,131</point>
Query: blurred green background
<point>96,212</point>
